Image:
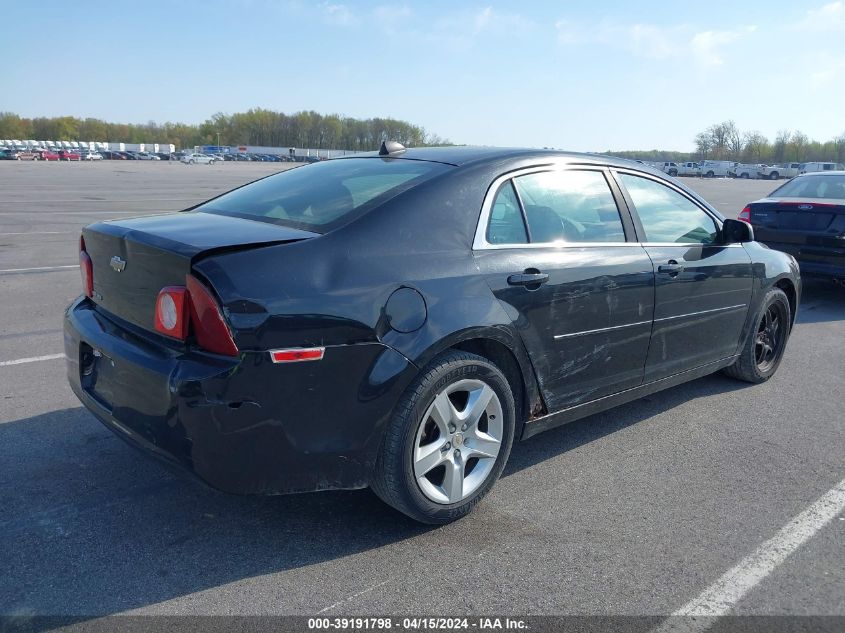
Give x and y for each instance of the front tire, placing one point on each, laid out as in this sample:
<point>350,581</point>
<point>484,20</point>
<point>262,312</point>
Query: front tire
<point>774,175</point>
<point>448,440</point>
<point>763,351</point>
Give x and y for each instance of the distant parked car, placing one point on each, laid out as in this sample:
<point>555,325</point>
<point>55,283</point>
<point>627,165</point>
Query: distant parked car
<point>69,155</point>
<point>163,156</point>
<point>713,168</point>
<point>805,217</point>
<point>807,168</point>
<point>669,167</point>
<point>741,170</point>
<point>783,170</point>
<point>48,154</point>
<point>689,168</point>
<point>198,159</point>
<point>28,155</point>
<point>8,154</point>
<point>91,155</point>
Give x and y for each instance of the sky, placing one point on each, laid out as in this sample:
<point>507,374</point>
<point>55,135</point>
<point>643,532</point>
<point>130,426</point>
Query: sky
<point>584,76</point>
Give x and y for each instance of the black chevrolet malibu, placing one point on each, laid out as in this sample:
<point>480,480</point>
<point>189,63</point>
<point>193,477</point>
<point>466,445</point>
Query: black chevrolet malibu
<point>397,319</point>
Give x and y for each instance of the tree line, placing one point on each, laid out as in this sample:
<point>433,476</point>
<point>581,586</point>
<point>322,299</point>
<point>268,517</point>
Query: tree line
<point>254,127</point>
<point>725,141</point>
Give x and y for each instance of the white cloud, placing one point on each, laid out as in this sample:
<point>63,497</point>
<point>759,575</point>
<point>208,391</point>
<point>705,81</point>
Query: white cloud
<point>457,31</point>
<point>708,47</point>
<point>678,42</point>
<point>830,17</point>
<point>338,14</point>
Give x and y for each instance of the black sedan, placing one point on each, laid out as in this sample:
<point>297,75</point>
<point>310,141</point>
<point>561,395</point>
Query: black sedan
<point>398,319</point>
<point>805,217</point>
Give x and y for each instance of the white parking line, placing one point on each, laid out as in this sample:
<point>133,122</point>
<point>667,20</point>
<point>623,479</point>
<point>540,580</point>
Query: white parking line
<point>34,233</point>
<point>43,213</point>
<point>720,597</point>
<point>31,359</point>
<point>27,270</point>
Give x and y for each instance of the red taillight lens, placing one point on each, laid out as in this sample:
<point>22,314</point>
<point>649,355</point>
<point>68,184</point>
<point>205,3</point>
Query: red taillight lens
<point>171,317</point>
<point>297,355</point>
<point>86,268</point>
<point>745,215</point>
<point>209,326</point>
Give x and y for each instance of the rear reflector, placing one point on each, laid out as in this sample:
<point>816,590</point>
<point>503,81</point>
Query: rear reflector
<point>745,215</point>
<point>86,268</point>
<point>297,355</point>
<point>209,325</point>
<point>171,316</point>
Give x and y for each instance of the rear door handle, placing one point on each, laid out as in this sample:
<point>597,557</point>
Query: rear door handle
<point>528,279</point>
<point>672,268</point>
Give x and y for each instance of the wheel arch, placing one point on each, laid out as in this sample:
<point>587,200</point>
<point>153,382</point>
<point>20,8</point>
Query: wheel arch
<point>788,287</point>
<point>504,349</point>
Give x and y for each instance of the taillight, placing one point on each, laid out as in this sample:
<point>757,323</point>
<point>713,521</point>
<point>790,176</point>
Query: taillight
<point>172,312</point>
<point>208,324</point>
<point>192,308</point>
<point>86,268</point>
<point>745,215</point>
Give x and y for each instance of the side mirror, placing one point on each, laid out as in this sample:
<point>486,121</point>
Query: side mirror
<point>736,231</point>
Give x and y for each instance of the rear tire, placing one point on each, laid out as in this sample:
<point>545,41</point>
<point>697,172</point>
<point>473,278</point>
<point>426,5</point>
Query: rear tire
<point>448,440</point>
<point>774,175</point>
<point>766,343</point>
<point>673,172</point>
<point>710,174</point>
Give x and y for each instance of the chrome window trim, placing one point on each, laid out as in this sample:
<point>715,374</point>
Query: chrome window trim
<point>480,242</point>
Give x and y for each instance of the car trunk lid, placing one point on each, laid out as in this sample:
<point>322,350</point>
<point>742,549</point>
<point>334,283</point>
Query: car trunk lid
<point>134,259</point>
<point>820,222</point>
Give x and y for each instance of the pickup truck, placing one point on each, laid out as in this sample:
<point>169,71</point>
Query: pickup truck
<point>783,170</point>
<point>748,171</point>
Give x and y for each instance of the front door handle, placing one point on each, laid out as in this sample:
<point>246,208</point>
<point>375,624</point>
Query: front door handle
<point>528,279</point>
<point>672,268</point>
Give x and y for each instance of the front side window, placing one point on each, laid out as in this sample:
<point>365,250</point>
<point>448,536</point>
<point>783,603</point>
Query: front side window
<point>570,206</point>
<point>666,215</point>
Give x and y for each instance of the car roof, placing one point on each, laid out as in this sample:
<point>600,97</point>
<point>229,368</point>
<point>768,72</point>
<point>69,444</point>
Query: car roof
<point>464,154</point>
<point>829,172</point>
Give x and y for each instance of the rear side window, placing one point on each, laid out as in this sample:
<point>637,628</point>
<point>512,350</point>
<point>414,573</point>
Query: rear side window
<point>506,224</point>
<point>570,206</point>
<point>666,215</point>
<point>325,195</point>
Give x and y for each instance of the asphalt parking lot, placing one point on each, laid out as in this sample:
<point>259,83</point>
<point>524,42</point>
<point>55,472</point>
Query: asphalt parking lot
<point>635,511</point>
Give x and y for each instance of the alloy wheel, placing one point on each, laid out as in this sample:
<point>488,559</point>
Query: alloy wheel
<point>457,441</point>
<point>770,337</point>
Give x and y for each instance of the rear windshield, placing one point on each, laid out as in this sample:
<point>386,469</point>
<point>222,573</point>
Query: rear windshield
<point>813,187</point>
<point>325,195</point>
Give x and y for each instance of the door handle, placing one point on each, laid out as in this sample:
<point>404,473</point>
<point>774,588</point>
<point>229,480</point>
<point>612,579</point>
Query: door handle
<point>672,268</point>
<point>528,279</point>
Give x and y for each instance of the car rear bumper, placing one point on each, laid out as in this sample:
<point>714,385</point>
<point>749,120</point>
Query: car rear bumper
<point>244,425</point>
<point>815,261</point>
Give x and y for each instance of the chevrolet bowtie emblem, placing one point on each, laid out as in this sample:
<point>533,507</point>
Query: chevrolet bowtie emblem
<point>117,263</point>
